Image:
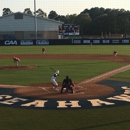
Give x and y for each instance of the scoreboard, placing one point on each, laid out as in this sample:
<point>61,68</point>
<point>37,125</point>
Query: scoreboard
<point>68,29</point>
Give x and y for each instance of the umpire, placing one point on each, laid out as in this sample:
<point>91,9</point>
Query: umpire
<point>67,84</point>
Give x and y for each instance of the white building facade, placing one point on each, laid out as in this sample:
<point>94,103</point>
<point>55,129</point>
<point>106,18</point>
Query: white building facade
<point>23,26</point>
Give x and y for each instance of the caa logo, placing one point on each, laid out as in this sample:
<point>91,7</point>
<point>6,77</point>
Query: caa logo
<point>10,42</point>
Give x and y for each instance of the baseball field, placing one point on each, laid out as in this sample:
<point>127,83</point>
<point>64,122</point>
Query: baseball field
<point>88,66</point>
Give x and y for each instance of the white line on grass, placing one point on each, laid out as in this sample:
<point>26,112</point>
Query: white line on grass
<point>102,75</point>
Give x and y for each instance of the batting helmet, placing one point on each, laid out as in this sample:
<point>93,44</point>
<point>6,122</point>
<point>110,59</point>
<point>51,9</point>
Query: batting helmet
<point>57,71</point>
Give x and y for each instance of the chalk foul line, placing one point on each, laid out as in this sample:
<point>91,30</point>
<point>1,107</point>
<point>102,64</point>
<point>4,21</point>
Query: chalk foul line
<point>107,74</point>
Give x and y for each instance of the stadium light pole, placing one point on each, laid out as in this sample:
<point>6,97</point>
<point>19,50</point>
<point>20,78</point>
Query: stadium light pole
<point>35,20</point>
<point>115,24</point>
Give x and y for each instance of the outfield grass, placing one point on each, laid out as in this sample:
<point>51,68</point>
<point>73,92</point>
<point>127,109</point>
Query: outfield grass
<point>66,49</point>
<point>89,119</point>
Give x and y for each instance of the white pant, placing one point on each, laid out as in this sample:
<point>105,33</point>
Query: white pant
<point>16,62</point>
<point>54,82</point>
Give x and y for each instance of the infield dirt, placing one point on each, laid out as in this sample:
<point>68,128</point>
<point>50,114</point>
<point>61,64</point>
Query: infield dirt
<point>85,89</point>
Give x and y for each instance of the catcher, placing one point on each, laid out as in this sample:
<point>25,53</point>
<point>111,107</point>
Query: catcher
<point>68,84</point>
<point>115,53</point>
<point>16,60</point>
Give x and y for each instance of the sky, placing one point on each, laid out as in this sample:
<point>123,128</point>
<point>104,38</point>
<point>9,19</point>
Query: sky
<point>63,7</point>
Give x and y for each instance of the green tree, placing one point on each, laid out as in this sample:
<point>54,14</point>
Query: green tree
<point>40,13</point>
<point>61,18</point>
<point>28,11</point>
<point>84,21</point>
<point>71,18</point>
<point>94,12</point>
<point>52,15</point>
<point>6,11</point>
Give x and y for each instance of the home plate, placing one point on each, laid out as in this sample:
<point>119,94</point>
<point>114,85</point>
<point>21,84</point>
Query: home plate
<point>44,89</point>
<point>76,93</point>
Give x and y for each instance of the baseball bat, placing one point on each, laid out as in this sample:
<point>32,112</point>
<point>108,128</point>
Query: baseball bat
<point>52,69</point>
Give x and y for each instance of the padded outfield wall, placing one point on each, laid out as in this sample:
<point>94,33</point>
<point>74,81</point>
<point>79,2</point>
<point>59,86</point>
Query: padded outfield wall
<point>65,42</point>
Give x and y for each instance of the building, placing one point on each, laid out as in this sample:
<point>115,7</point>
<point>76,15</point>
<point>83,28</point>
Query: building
<point>23,26</point>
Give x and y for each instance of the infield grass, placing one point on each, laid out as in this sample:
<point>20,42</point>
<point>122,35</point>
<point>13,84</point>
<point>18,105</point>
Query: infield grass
<point>89,119</point>
<point>123,76</point>
<point>77,70</point>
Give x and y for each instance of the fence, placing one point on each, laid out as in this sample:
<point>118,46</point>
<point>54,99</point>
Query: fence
<point>65,42</point>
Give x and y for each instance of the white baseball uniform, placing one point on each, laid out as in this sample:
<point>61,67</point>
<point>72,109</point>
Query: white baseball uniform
<point>53,79</point>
